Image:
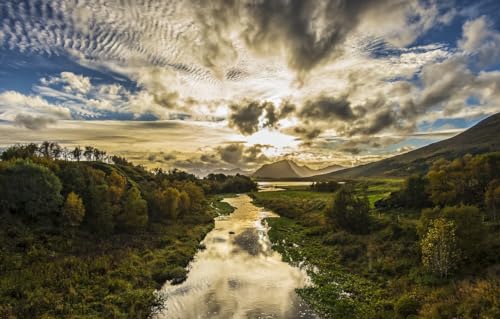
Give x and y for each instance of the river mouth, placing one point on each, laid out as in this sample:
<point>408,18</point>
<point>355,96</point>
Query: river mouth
<point>238,275</point>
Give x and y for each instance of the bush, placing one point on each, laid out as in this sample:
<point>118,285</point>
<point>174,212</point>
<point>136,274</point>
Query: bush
<point>406,306</point>
<point>348,211</point>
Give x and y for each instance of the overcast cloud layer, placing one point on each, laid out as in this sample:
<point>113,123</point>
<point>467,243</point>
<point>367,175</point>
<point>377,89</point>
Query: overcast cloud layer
<point>228,84</point>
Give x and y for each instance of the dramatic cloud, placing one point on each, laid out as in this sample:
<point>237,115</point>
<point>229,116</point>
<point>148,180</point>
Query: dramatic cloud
<point>245,117</point>
<point>322,80</point>
<point>31,112</point>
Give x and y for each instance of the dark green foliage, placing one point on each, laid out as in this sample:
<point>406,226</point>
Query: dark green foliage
<point>20,151</point>
<point>407,305</point>
<point>349,211</point>
<point>220,183</point>
<point>135,213</point>
<point>330,186</point>
<point>413,194</point>
<point>29,190</point>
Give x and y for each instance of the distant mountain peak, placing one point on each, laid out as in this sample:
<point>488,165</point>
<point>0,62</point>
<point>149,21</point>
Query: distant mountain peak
<point>287,168</point>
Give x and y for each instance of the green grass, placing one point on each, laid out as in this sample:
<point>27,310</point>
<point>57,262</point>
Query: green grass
<point>218,207</point>
<point>48,273</point>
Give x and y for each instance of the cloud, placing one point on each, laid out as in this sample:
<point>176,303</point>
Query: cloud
<point>71,82</point>
<point>327,108</point>
<point>32,112</point>
<point>238,153</point>
<point>33,122</point>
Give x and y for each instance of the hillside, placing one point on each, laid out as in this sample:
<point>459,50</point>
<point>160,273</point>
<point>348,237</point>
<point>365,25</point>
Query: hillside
<point>481,138</point>
<point>286,169</point>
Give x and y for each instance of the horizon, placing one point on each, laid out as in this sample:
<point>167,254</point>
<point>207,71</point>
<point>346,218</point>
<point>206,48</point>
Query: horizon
<point>217,87</point>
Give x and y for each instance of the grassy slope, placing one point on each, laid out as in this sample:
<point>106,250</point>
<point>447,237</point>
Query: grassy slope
<point>376,275</point>
<point>54,275</point>
<point>481,138</point>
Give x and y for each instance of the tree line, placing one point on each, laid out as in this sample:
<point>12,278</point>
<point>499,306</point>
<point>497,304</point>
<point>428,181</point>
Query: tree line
<point>39,183</point>
<point>457,200</point>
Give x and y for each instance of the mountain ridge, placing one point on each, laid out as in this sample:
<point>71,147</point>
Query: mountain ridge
<point>480,138</point>
<point>284,169</point>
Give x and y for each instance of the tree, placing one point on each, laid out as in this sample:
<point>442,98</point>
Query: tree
<point>117,185</point>
<point>135,211</point>
<point>492,198</point>
<point>195,194</point>
<point>348,211</point>
<point>171,199</point>
<point>184,203</point>
<point>29,189</point>
<point>73,210</point>
<point>45,149</point>
<point>20,151</point>
<point>440,252</point>
<point>88,153</point>
<point>55,150</point>
<point>469,228</point>
<point>77,153</point>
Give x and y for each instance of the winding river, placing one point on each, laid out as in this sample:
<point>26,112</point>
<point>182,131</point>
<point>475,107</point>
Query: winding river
<point>238,275</point>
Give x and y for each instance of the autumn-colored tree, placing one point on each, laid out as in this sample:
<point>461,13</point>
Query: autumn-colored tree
<point>184,203</point>
<point>196,195</point>
<point>171,199</point>
<point>117,184</point>
<point>469,228</point>
<point>440,252</point>
<point>492,198</point>
<point>73,210</point>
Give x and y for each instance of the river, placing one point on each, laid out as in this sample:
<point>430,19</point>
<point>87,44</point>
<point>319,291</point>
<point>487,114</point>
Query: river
<point>238,275</point>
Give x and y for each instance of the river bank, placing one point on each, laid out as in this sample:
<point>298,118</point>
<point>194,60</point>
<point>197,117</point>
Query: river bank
<point>377,274</point>
<point>95,277</point>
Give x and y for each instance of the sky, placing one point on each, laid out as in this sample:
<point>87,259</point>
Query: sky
<point>229,85</point>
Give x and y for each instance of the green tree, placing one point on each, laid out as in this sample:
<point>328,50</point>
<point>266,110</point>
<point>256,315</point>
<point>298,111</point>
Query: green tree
<point>171,198</point>
<point>20,151</point>
<point>440,252</point>
<point>29,189</point>
<point>415,191</point>
<point>348,211</point>
<point>492,198</point>
<point>73,210</point>
<point>135,211</point>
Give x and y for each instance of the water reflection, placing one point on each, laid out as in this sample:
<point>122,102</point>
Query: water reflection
<point>238,275</point>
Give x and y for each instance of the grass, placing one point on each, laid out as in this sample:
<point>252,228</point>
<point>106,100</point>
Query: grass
<point>49,273</point>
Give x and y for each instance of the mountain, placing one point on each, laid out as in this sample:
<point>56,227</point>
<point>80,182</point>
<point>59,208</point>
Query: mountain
<point>481,138</point>
<point>286,169</point>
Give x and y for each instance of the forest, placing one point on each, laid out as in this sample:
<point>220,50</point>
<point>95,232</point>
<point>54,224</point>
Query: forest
<point>104,233</point>
<point>424,247</point>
